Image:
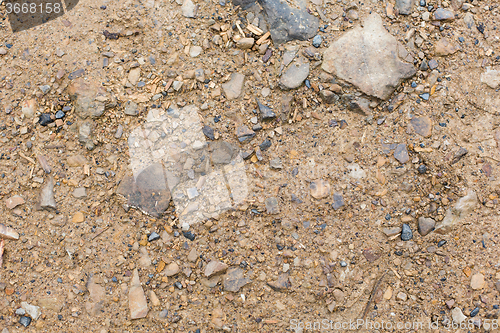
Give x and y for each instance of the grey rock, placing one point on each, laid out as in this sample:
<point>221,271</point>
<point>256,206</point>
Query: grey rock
<point>454,215</point>
<point>45,88</point>
<point>215,267</point>
<point>222,152</point>
<point>266,112</point>
<point>288,20</point>
<point>47,200</point>
<point>148,192</point>
<point>276,164</point>
<point>295,74</point>
<point>469,20</point>
<point>234,279</point>
<point>425,225</point>
<point>338,201</point>
<point>328,96</point>
<point>442,14</point>
<point>208,132</point>
<point>32,310</point>
<point>234,86</point>
<point>282,284</point>
<point>491,78</point>
<point>244,133</point>
<point>317,40</point>
<point>406,233</point>
<point>131,109</point>
<point>119,132</point>
<point>369,58</point>
<point>404,7</point>
<point>87,107</point>
<point>401,153</point>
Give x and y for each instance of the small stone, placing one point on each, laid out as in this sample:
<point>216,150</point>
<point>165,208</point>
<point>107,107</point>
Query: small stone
<point>282,284</point>
<point>138,304</point>
<point>119,132</point>
<point>338,201</point>
<point>131,108</point>
<point>272,206</point>
<point>154,299</point>
<point>422,169</point>
<point>328,96</point>
<point>402,296</point>
<point>444,47</point>
<point>401,153</point>
<point>60,114</point>
<point>189,235</point>
<point>491,78</point>
<point>45,88</point>
<point>215,267</point>
<point>172,269</point>
<point>76,160</point>
<point>29,107</point>
<point>3,51</point>
<point>433,64</point>
<point>266,112</point>
<point>208,132</point>
<point>457,315</point>
<point>244,133</point>
<point>199,74</point>
<point>14,201</point>
<point>32,310</point>
<point>234,279</point>
<point>450,303</point>
<point>153,236</point>
<point>25,321</point>
<point>294,75</point>
<point>442,14</point>
<point>389,232</point>
<point>189,9</point>
<point>406,233</point>
<point>245,43</point>
<point>195,51</point>
<point>80,192</point>
<point>193,255</point>
<point>234,86</point>
<point>78,217</point>
<point>474,312</point>
<point>134,75</point>
<point>477,281</point>
<point>404,7</point>
<point>425,225</point>
<point>45,119</point>
<point>47,200</point>
<point>319,189</point>
<point>317,40</point>
<point>422,126</point>
<point>275,164</point>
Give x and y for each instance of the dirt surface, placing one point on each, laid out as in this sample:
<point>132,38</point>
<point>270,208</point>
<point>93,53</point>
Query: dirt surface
<point>317,237</point>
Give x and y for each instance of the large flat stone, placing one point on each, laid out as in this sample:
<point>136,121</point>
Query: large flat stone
<point>369,58</point>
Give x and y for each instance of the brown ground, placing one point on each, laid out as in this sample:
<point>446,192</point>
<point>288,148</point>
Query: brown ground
<point>107,244</point>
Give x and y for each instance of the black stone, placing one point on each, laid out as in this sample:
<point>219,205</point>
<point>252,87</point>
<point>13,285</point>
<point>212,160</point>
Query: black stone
<point>441,243</point>
<point>474,312</point>
<point>25,321</point>
<point>406,233</point>
<point>422,169</point>
<point>265,145</point>
<point>45,119</point>
<point>266,112</point>
<point>209,132</point>
<point>189,235</point>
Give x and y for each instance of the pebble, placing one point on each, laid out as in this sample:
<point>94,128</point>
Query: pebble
<point>131,108</point>
<point>171,269</point>
<point>406,233</point>
<point>477,281</point>
<point>338,201</point>
<point>266,112</point>
<point>25,321</point>
<point>138,304</point>
<point>404,7</point>
<point>153,236</point>
<point>265,92</point>
<point>208,132</point>
<point>78,217</point>
<point>193,255</point>
<point>282,284</point>
<point>45,119</point>
<point>31,310</point>
<point>433,64</point>
<point>45,88</point>
<point>457,315</point>
<point>80,192</point>
<point>425,225</point>
<point>189,235</point>
<point>29,107</point>
<point>245,43</point>
<point>422,126</point>
<point>234,279</point>
<point>215,267</point>
<point>491,78</point>
<point>134,75</point>
<point>3,51</point>
<point>188,9</point>
<point>119,132</point>
<point>402,296</point>
<point>60,114</point>
<point>401,153</point>
<point>14,201</point>
<point>389,232</point>
<point>234,86</point>
<point>317,40</point>
<point>272,206</point>
<point>328,96</point>
<point>195,51</point>
<point>244,133</point>
<point>47,200</point>
<point>276,164</point>
<point>319,189</point>
<point>442,14</point>
<point>422,169</point>
<point>295,75</point>
<point>474,312</point>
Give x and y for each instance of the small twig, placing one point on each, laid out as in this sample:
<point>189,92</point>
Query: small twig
<point>99,233</point>
<point>375,288</point>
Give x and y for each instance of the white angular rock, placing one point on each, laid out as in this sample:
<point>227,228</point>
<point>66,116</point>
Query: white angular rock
<point>457,315</point>
<point>491,78</point>
<point>32,310</point>
<point>453,215</point>
<point>137,300</point>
